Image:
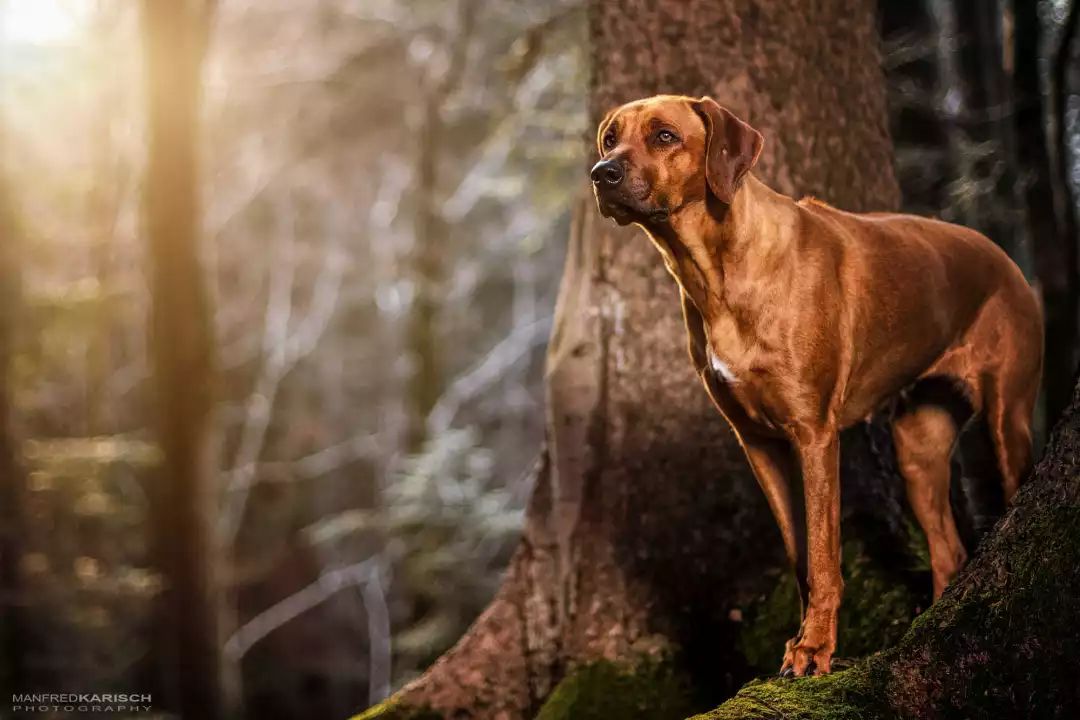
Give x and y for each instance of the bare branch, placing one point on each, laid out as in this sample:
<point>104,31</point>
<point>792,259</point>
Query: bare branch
<point>260,402</point>
<point>479,179</point>
<point>501,358</point>
<point>315,465</point>
<point>297,604</point>
<point>282,352</point>
<point>380,650</point>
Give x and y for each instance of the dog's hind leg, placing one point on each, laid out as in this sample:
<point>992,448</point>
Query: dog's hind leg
<point>925,436</point>
<point>1010,401</point>
<point>1007,371</point>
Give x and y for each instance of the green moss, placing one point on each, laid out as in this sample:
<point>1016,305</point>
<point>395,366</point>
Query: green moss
<point>768,624</point>
<point>849,695</point>
<point>918,549</point>
<point>393,710</point>
<point>877,609</point>
<point>876,612</point>
<point>604,690</point>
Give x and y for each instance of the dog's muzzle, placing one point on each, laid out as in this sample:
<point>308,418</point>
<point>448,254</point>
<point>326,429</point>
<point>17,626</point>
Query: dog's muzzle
<point>620,198</point>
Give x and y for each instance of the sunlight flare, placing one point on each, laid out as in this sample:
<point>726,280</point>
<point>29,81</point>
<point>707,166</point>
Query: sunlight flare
<point>41,22</point>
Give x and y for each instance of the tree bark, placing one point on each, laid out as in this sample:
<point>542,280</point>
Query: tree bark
<point>646,536</point>
<point>182,348</point>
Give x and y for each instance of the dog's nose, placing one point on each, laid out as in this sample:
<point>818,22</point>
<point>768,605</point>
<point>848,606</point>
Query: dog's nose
<point>608,172</point>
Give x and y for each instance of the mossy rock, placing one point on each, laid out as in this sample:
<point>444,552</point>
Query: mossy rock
<point>393,710</point>
<point>877,610</point>
<point>652,690</point>
<point>849,695</point>
<point>998,644</point>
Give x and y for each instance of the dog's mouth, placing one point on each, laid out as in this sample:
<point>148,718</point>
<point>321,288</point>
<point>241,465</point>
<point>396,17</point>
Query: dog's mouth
<point>625,213</point>
<point>620,212</point>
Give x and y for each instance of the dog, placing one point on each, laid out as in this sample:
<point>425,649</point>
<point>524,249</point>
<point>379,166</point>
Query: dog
<point>803,320</point>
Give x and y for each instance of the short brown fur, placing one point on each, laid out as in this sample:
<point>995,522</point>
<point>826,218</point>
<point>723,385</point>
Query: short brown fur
<point>804,319</point>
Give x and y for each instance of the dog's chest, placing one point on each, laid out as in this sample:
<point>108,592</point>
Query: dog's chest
<point>741,389</point>
<point>721,368</point>
<point>730,353</point>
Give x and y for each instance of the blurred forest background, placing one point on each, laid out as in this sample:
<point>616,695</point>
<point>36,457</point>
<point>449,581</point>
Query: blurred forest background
<point>386,191</point>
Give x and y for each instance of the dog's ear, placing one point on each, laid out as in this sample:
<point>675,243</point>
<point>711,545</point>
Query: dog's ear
<point>603,129</point>
<point>732,147</point>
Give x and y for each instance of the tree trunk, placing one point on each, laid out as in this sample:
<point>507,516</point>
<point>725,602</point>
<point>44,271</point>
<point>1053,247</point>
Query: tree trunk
<point>426,263</point>
<point>646,539</point>
<point>920,136</point>
<point>427,269</point>
<point>1061,82</point>
<point>182,348</point>
<point>1053,242</point>
<point>976,102</point>
<point>12,479</point>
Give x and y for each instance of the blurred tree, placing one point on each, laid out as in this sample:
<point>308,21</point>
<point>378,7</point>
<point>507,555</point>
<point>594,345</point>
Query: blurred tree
<point>427,259</point>
<point>949,66</point>
<point>182,347</point>
<point>645,536</point>
<point>105,201</point>
<point>975,101</point>
<point>1050,224</point>
<point>1047,58</point>
<point>921,148</point>
<point>12,480</point>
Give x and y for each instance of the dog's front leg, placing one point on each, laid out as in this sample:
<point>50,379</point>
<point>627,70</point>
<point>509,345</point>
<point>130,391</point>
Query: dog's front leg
<point>819,456</point>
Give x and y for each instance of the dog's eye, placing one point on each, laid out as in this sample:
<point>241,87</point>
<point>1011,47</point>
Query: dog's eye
<point>666,136</point>
<point>609,139</point>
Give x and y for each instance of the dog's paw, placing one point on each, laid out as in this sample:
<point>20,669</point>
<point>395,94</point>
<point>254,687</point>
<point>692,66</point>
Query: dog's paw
<point>809,662</point>
<point>801,659</point>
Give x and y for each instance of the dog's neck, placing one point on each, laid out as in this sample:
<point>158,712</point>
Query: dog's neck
<point>718,254</point>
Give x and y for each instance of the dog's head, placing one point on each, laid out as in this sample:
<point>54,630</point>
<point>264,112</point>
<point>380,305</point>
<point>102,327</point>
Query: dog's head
<point>662,154</point>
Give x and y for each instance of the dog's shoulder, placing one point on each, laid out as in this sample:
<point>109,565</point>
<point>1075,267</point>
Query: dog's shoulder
<point>810,200</point>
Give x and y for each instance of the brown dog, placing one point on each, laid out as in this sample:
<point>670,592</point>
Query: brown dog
<point>804,319</point>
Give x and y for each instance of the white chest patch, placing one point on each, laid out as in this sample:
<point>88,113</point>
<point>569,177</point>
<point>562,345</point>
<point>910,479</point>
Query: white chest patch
<point>721,368</point>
